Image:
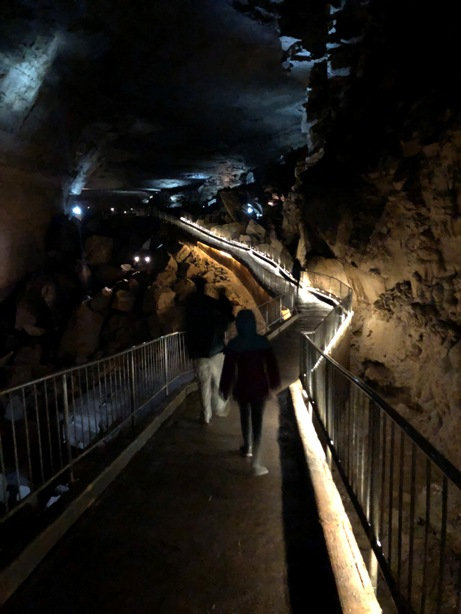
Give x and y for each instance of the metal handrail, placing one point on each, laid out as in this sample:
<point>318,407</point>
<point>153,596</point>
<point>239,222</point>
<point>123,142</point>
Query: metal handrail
<point>55,421</point>
<point>52,423</point>
<point>406,493</point>
<point>318,283</point>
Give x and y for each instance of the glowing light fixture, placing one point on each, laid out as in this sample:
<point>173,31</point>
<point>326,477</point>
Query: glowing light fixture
<point>147,259</point>
<point>77,210</point>
<point>355,587</point>
<point>136,258</point>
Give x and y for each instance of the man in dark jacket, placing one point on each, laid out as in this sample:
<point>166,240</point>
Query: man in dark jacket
<point>206,322</point>
<point>250,370</point>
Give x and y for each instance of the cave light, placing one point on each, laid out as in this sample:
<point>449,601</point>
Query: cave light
<point>146,258</point>
<point>112,209</point>
<point>355,588</point>
<point>136,259</point>
<point>77,210</point>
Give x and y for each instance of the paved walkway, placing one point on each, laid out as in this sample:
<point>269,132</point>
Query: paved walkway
<point>186,529</point>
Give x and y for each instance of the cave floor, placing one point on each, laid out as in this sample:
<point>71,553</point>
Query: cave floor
<point>187,529</point>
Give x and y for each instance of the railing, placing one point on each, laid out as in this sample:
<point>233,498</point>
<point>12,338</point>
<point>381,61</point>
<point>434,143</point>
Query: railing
<point>407,496</point>
<point>329,287</point>
<point>51,424</point>
<point>268,272</point>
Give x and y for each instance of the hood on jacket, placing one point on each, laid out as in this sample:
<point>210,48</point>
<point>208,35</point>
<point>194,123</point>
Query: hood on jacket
<point>247,338</point>
<point>246,323</point>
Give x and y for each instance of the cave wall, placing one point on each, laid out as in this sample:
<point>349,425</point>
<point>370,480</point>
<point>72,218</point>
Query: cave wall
<point>400,251</point>
<point>381,209</point>
<point>27,204</point>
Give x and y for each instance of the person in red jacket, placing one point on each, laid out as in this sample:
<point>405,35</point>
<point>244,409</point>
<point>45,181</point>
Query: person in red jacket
<point>250,371</point>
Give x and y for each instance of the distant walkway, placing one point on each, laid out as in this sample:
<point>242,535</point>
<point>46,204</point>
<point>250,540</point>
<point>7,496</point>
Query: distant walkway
<point>186,529</point>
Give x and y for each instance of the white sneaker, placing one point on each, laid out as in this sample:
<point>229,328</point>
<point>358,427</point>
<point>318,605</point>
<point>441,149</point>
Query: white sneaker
<point>259,470</point>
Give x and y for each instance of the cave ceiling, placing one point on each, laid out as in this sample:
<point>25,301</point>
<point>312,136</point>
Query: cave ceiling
<point>130,95</point>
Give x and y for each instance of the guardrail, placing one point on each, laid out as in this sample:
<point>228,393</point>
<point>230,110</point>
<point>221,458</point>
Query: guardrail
<point>51,424</point>
<point>406,494</point>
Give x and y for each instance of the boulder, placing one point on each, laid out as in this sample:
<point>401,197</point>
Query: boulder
<point>98,250</point>
<point>26,319</point>
<point>107,274</point>
<point>81,339</point>
<point>168,276</point>
<point>231,203</point>
<point>256,230</point>
<point>228,231</point>
<point>158,299</point>
<point>123,301</point>
<point>183,253</point>
<point>123,330</point>
<point>246,239</point>
<point>101,302</point>
<point>182,288</point>
<point>163,299</point>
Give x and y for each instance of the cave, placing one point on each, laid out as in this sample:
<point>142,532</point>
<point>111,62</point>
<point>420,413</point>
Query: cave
<point>329,133</point>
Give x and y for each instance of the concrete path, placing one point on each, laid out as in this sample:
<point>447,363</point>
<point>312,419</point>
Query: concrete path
<point>186,529</point>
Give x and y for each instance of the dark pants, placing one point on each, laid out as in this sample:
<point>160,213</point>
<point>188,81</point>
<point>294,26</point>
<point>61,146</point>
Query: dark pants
<point>251,420</point>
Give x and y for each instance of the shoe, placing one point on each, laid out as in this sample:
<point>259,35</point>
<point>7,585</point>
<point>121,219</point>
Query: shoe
<point>246,451</point>
<point>259,470</point>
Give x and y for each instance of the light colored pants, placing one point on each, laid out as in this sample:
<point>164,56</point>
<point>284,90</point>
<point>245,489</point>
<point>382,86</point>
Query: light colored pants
<point>208,372</point>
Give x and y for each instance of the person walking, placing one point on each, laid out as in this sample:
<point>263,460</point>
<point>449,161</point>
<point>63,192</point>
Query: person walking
<point>206,322</point>
<point>250,372</point>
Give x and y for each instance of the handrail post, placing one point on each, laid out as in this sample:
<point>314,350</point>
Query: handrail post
<point>132,389</point>
<point>373,498</point>
<point>65,399</point>
<point>165,355</point>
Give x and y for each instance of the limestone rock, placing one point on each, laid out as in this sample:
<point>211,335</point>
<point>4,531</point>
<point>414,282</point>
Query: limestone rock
<point>167,277</point>
<point>81,339</point>
<point>231,203</point>
<point>183,253</point>
<point>123,300</point>
<point>101,302</point>
<point>454,356</point>
<point>98,249</point>
<point>256,230</point>
<point>163,299</point>
<point>246,239</point>
<point>107,274</point>
<point>182,288</point>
